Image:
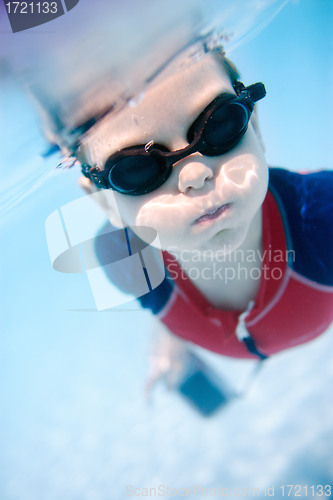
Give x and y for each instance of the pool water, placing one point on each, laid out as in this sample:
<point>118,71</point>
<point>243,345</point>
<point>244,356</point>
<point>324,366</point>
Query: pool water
<point>74,421</point>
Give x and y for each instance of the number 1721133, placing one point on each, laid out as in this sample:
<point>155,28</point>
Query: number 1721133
<point>32,8</point>
<point>296,490</point>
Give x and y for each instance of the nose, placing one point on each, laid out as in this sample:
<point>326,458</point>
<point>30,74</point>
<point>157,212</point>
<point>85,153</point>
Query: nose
<point>193,175</point>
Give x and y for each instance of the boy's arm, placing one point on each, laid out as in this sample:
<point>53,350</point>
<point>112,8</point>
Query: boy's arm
<point>166,359</point>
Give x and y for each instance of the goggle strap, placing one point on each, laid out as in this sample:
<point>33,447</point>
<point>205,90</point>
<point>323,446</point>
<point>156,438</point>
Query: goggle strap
<point>85,169</point>
<point>98,177</point>
<point>239,87</point>
<point>256,91</point>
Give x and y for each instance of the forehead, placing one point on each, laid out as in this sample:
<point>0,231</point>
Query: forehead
<point>166,109</point>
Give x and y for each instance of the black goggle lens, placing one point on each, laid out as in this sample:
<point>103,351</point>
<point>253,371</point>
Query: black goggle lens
<point>132,172</point>
<point>226,125</point>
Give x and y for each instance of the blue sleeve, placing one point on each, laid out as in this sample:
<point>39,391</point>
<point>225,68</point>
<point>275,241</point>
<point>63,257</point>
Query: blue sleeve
<point>112,246</point>
<point>306,206</point>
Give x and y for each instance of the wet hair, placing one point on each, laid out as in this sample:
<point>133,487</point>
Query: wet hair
<point>231,70</point>
<point>228,66</point>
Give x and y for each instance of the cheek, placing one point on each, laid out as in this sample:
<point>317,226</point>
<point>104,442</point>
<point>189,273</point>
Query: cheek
<point>170,215</point>
<point>244,177</point>
<point>241,171</point>
<point>157,212</point>
<point>162,213</point>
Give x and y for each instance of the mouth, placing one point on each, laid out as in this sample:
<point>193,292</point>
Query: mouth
<point>212,214</point>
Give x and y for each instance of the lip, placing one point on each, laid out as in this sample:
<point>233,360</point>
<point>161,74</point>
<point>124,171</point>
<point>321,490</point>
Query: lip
<point>213,213</point>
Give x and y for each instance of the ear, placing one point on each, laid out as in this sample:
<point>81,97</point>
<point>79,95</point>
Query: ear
<point>256,128</point>
<point>103,201</point>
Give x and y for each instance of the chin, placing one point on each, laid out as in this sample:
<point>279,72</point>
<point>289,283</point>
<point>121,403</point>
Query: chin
<point>226,240</point>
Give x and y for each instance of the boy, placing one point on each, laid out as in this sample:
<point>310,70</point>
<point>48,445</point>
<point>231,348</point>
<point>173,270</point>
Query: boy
<point>249,269</point>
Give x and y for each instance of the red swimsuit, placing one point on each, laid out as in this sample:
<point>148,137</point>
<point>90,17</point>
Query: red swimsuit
<point>289,308</point>
<point>295,299</point>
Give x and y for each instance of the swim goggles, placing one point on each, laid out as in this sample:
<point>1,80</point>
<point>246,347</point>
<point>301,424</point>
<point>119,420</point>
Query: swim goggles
<point>138,170</point>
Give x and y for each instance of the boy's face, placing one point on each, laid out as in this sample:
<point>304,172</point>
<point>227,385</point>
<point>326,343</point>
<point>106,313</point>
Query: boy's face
<point>207,202</point>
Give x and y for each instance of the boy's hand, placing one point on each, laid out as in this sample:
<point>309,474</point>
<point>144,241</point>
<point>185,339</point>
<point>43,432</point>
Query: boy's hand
<point>167,361</point>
